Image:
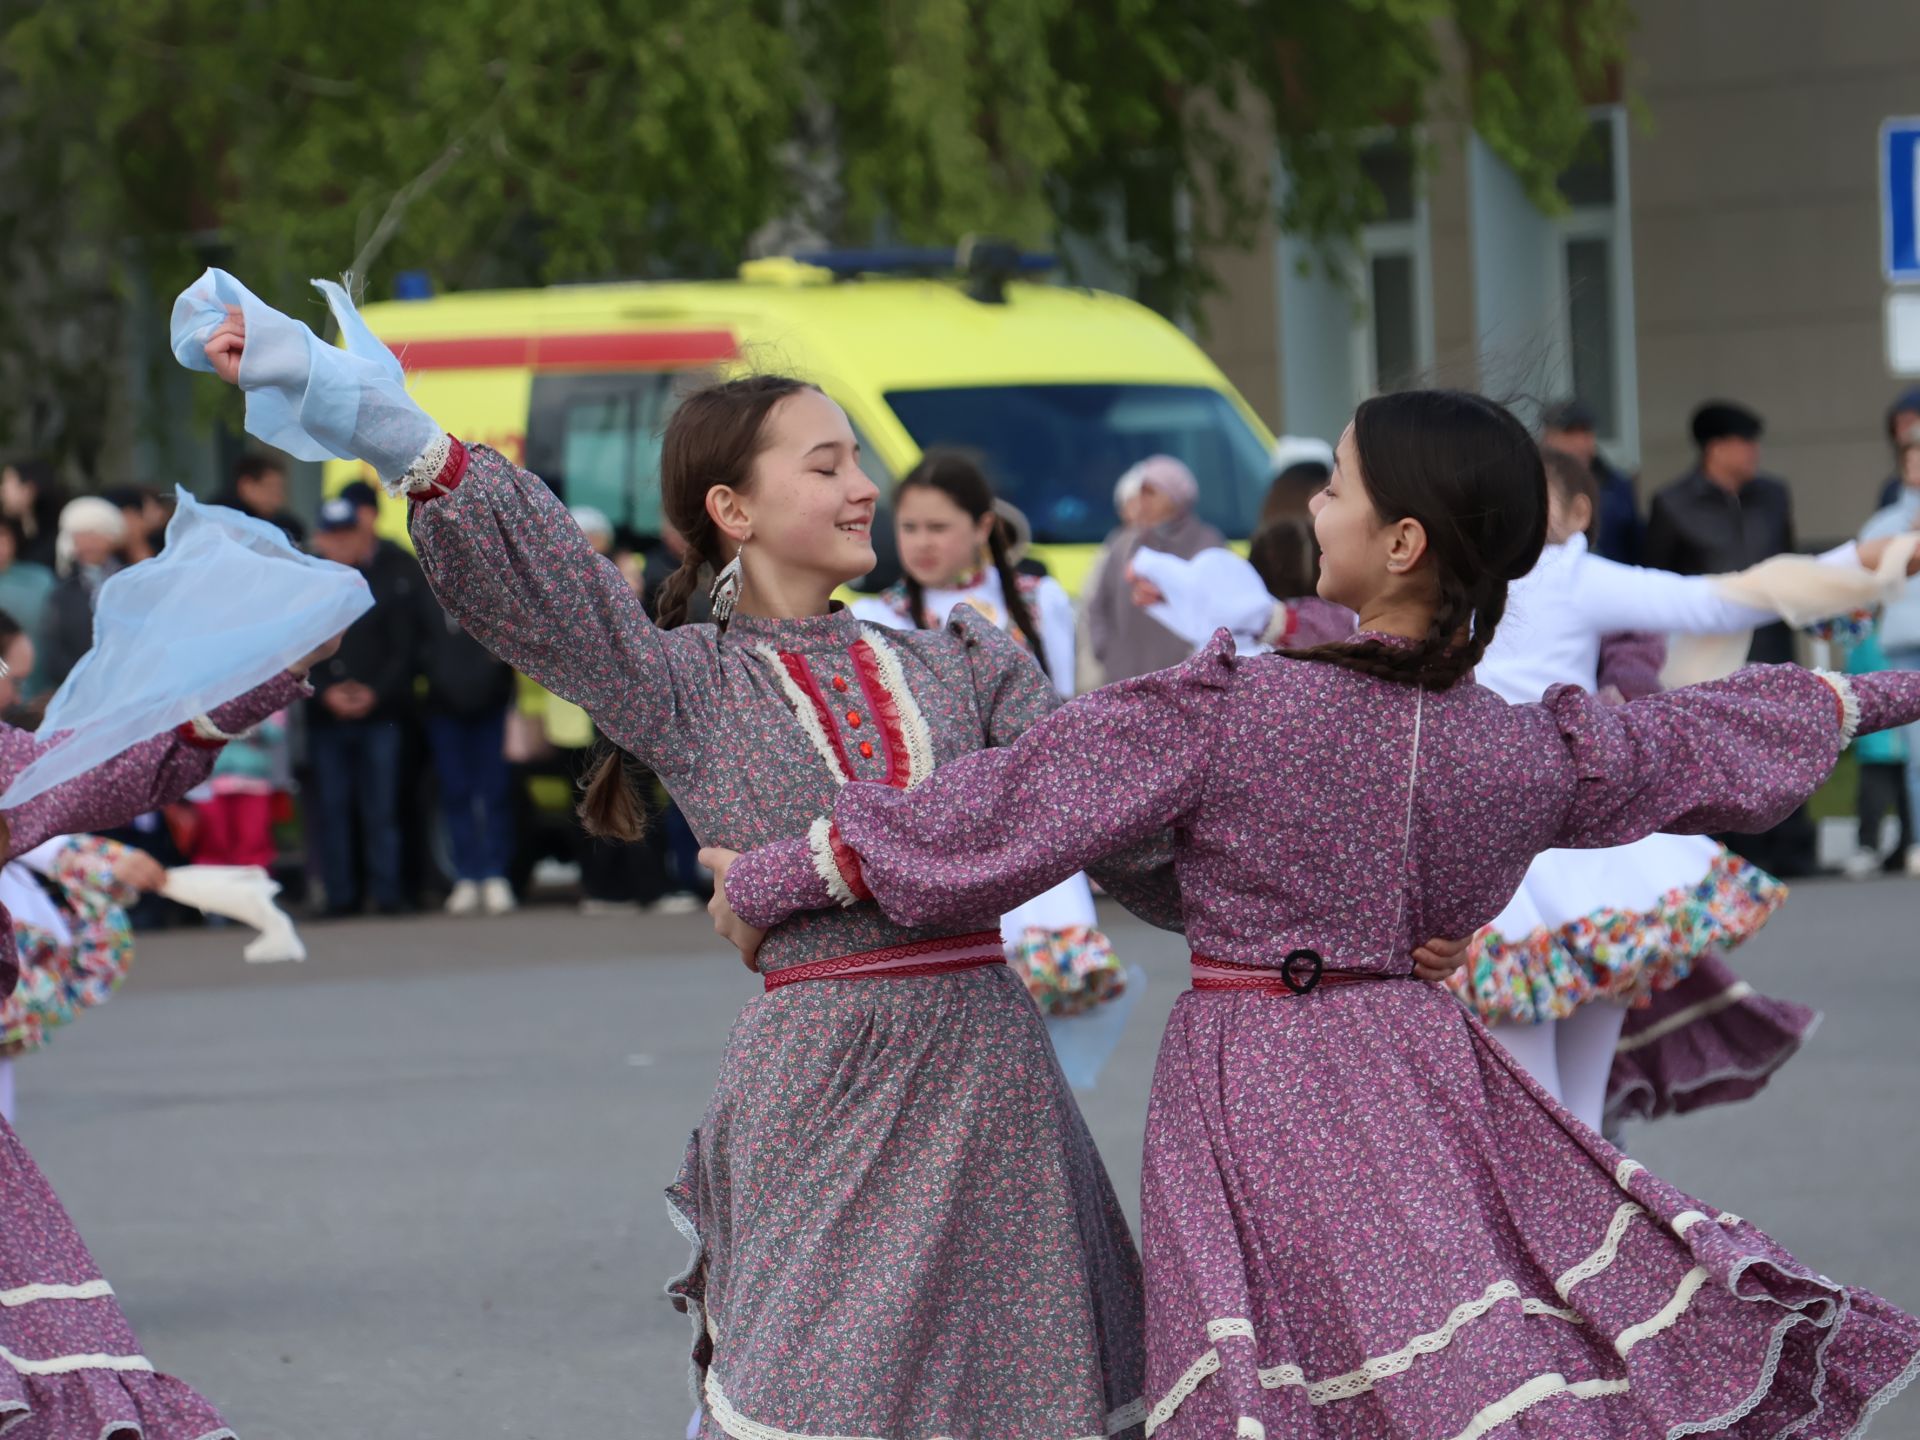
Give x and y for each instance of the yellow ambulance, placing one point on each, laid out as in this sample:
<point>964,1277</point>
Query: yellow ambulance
<point>1062,389</point>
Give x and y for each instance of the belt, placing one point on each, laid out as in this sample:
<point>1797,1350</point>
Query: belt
<point>1300,973</point>
<point>920,957</point>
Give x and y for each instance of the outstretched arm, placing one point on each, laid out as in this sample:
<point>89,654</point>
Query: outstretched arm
<point>1736,754</point>
<point>502,553</point>
<point>997,827</point>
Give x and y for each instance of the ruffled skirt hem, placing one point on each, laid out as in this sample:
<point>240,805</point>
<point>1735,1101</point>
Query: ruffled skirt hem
<point>1617,952</point>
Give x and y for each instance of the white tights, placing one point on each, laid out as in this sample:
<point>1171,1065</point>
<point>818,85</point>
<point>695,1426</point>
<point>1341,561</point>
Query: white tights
<point>1571,1058</point>
<point>6,1090</point>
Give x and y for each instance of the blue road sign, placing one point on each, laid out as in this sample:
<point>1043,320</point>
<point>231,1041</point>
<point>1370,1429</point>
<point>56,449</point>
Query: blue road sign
<point>1900,199</point>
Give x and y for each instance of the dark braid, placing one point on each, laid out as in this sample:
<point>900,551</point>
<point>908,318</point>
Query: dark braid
<point>1017,606</point>
<point>677,591</point>
<point>1469,473</point>
<point>916,602</point>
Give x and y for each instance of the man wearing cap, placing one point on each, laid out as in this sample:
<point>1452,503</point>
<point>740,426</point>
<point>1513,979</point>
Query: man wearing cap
<point>1721,516</point>
<point>354,722</point>
<point>1571,427</point>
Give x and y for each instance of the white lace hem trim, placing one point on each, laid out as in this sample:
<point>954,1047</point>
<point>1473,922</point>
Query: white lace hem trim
<point>68,1364</point>
<point>1541,1387</point>
<point>1849,704</point>
<point>740,1427</point>
<point>820,850</point>
<point>28,1294</point>
<point>1380,1367</point>
<point>1680,1019</point>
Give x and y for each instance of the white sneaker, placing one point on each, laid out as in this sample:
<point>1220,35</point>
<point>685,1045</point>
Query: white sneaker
<point>1913,861</point>
<point>497,897</point>
<point>465,899</point>
<point>1862,865</point>
<point>681,903</point>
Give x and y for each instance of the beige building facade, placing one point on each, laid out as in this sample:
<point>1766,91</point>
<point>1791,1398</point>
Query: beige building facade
<point>1722,238</point>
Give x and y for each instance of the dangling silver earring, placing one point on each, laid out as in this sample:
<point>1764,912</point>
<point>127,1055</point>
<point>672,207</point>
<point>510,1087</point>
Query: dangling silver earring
<point>725,592</point>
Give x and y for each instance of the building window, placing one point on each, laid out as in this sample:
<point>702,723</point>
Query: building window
<point>1590,268</point>
<point>1393,334</point>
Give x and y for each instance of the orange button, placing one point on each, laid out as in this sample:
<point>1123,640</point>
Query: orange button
<point>840,683</point>
<point>866,750</point>
<point>853,718</point>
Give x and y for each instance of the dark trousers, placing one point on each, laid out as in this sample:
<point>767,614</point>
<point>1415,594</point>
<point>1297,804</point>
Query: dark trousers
<point>356,778</point>
<point>1883,792</point>
<point>469,757</point>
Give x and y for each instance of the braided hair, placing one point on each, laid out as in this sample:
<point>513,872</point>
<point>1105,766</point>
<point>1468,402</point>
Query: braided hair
<point>961,476</point>
<point>1471,474</point>
<point>713,439</point>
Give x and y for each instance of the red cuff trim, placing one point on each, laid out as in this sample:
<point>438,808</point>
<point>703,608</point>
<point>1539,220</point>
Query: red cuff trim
<point>193,737</point>
<point>452,471</point>
<point>848,863</point>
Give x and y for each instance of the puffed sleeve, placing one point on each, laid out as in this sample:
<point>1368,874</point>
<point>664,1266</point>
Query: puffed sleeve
<point>989,830</point>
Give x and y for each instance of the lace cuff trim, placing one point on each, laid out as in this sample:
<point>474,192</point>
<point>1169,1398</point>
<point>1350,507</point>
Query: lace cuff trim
<point>1849,704</point>
<point>436,471</point>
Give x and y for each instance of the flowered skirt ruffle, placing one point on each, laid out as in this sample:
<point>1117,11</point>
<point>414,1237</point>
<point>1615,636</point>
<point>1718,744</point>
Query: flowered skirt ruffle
<point>1363,1220</point>
<point>1055,945</point>
<point>1618,924</point>
<point>70,1368</point>
<point>1067,972</point>
<point>1710,1040</point>
<point>59,979</point>
<point>901,1228</point>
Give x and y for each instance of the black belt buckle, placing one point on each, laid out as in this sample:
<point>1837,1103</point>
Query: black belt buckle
<point>1307,960</point>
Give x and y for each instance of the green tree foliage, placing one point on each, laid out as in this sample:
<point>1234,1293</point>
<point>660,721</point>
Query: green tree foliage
<point>499,142</point>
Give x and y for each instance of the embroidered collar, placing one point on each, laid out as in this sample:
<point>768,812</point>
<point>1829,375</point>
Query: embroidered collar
<point>811,635</point>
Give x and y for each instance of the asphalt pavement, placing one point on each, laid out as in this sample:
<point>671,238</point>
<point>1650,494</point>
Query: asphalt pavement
<point>412,1187</point>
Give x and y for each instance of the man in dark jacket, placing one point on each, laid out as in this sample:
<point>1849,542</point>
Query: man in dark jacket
<point>468,694</point>
<point>361,696</point>
<point>1570,426</point>
<point>1724,515</point>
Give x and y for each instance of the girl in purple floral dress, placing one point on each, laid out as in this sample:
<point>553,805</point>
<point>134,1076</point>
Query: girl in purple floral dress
<point>1362,1218</point>
<point>70,1368</point>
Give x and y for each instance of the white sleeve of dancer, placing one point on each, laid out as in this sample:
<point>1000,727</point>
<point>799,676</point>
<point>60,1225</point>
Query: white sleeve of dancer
<point>1216,590</point>
<point>311,399</point>
<point>1053,613</point>
<point>40,859</point>
<point>1609,596</point>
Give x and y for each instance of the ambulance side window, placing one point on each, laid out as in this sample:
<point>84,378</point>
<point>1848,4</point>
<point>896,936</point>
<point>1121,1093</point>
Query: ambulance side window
<point>595,438</point>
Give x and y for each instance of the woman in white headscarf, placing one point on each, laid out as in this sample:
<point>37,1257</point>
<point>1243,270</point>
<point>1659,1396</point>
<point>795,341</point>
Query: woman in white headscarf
<point>1125,639</point>
<point>86,552</point>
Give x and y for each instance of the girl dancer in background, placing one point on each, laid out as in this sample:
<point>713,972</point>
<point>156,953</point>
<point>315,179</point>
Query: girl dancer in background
<point>953,550</point>
<point>900,1226</point>
<point>70,1368</point>
<point>1362,1218</point>
<point>1591,933</point>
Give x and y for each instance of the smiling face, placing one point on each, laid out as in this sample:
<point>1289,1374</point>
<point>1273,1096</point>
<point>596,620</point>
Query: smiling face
<point>809,506</point>
<point>939,541</point>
